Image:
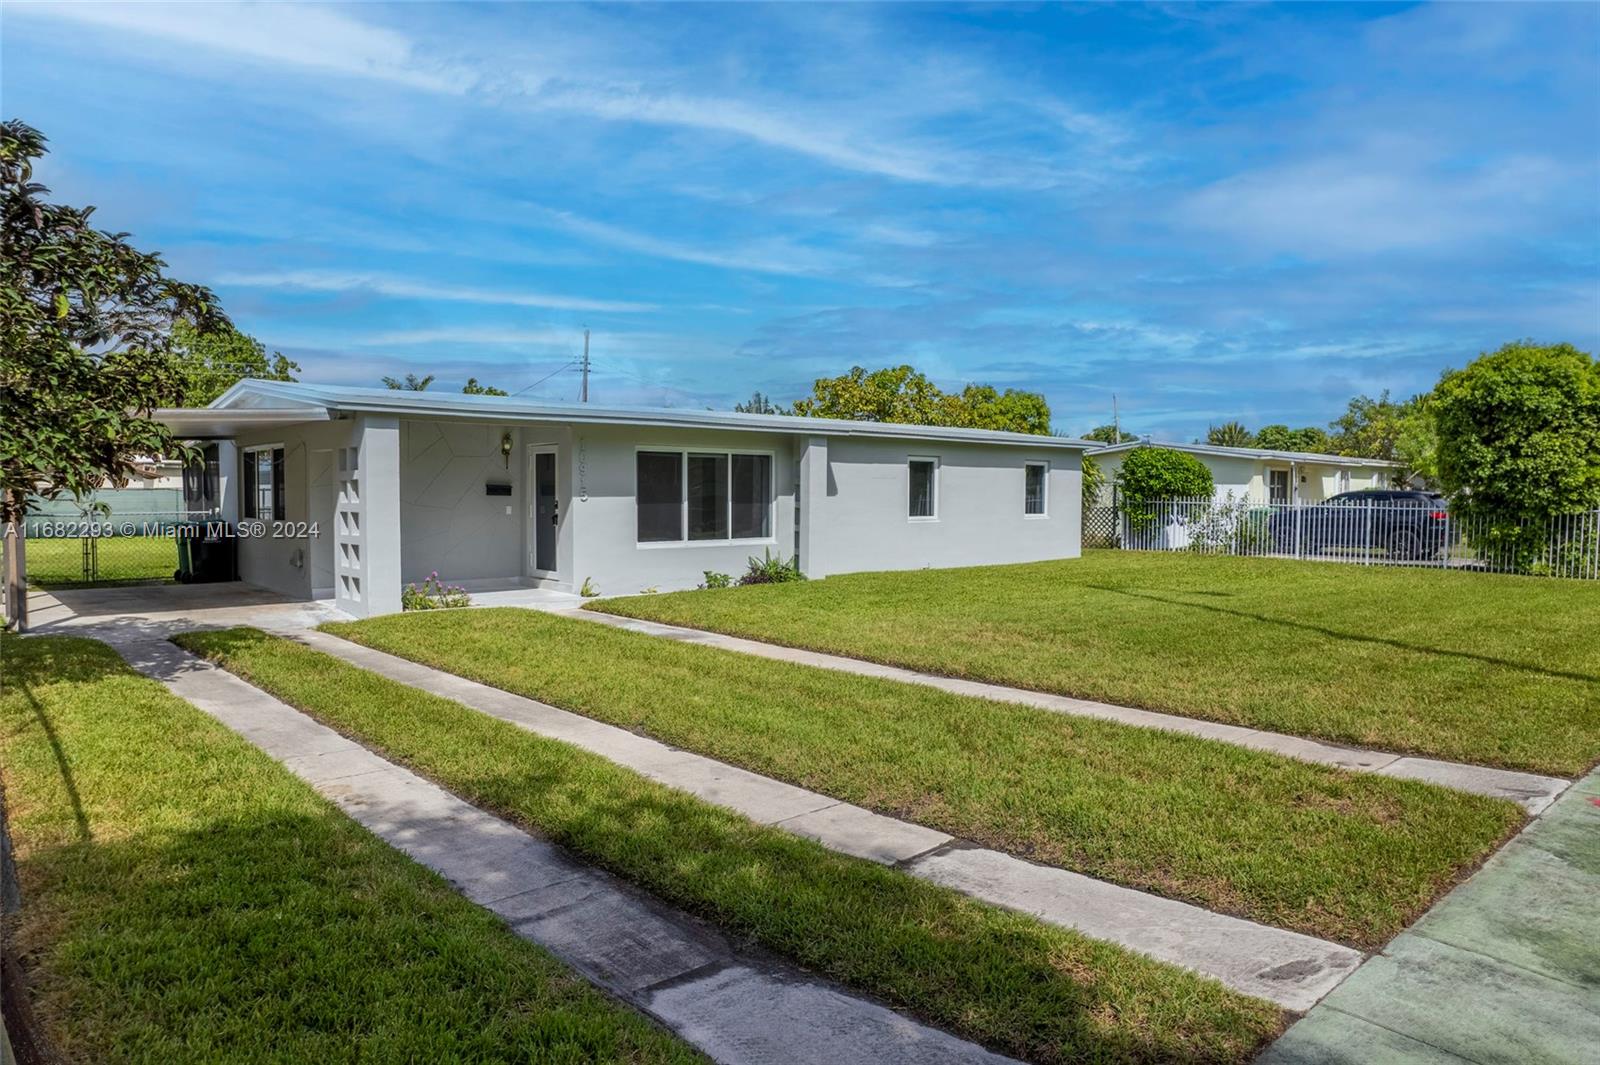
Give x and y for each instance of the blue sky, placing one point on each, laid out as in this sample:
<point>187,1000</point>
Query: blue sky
<point>1213,212</point>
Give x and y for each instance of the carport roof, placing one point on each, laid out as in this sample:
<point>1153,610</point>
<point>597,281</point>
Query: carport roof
<point>291,402</point>
<point>210,423</point>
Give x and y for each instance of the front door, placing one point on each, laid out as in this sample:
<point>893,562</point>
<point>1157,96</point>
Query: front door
<point>546,512</point>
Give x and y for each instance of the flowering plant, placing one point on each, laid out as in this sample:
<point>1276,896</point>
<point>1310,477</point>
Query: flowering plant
<point>433,595</point>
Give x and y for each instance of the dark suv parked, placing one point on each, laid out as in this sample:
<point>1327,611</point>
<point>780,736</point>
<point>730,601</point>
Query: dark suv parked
<point>1408,525</point>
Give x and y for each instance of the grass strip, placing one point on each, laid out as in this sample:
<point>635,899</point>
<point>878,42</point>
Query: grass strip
<point>1029,989</point>
<point>186,899</point>
<point>1344,856</point>
<point>1471,667</point>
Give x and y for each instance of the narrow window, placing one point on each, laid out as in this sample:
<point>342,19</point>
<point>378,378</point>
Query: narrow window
<point>708,497</point>
<point>1034,488</point>
<point>660,496</point>
<point>752,497</point>
<point>263,494</point>
<point>924,488</point>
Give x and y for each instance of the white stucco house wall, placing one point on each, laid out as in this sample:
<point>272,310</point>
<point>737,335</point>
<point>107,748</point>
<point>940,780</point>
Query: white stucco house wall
<point>1261,475</point>
<point>369,489</point>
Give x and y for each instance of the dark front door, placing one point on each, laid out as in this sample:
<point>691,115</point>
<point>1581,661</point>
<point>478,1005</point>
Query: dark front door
<point>546,513</point>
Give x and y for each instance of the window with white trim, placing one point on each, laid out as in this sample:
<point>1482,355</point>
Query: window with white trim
<point>1035,488</point>
<point>697,496</point>
<point>924,498</point>
<point>262,497</point>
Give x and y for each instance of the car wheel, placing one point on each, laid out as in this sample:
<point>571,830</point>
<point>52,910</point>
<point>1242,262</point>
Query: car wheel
<point>1406,544</point>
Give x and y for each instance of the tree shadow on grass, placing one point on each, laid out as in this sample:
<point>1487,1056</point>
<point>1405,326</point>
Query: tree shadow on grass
<point>1355,637</point>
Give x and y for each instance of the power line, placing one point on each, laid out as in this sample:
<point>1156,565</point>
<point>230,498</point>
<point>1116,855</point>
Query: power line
<point>564,366</point>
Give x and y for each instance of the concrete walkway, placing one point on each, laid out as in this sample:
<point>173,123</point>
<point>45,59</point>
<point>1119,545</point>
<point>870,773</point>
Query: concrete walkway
<point>1533,791</point>
<point>1284,967</point>
<point>735,1005</point>
<point>1506,969</point>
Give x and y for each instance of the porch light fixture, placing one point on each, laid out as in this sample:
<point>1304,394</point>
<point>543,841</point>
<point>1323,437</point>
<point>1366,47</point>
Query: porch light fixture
<point>505,447</point>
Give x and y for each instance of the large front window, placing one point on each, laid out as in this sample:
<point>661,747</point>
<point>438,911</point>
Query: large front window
<point>703,495</point>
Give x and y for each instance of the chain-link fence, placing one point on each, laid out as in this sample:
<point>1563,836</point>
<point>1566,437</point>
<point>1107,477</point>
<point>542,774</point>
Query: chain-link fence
<point>119,536</point>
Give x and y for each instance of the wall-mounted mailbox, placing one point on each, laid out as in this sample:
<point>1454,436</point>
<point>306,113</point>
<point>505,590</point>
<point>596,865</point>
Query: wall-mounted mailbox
<point>496,488</point>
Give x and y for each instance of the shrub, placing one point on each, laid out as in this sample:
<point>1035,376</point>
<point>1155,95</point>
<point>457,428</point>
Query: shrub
<point>588,591</point>
<point>1519,441</point>
<point>770,569</point>
<point>1162,473</point>
<point>433,595</point>
<point>717,580</point>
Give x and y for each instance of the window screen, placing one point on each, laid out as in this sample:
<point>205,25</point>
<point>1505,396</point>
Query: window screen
<point>922,488</point>
<point>708,497</point>
<point>660,496</point>
<point>752,497</point>
<point>1033,494</point>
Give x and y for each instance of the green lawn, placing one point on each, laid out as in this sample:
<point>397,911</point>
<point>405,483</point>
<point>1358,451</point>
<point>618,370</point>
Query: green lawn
<point>58,562</point>
<point>186,899</point>
<point>1494,670</point>
<point>1351,857</point>
<point>1026,988</point>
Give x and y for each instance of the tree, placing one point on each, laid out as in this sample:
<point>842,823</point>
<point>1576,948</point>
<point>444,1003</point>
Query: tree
<point>1275,438</point>
<point>471,388</point>
<point>1370,428</point>
<point>901,394</point>
<point>86,338</point>
<point>1149,473</point>
<point>212,362</point>
<point>1283,438</point>
<point>1110,434</point>
<point>1519,435</point>
<point>412,383</point>
<point>1230,434</point>
<point>758,403</point>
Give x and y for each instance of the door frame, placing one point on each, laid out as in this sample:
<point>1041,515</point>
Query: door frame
<point>534,526</point>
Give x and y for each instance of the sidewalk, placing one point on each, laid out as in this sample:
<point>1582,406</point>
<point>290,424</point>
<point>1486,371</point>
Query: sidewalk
<point>1506,969</point>
<point>1288,968</point>
<point>734,1004</point>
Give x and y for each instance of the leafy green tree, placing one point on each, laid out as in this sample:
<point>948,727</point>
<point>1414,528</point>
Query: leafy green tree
<point>1149,473</point>
<point>1519,434</point>
<point>1110,434</point>
<point>758,403</point>
<point>1230,434</point>
<point>86,339</point>
<point>1371,428</point>
<point>901,394</point>
<point>412,383</point>
<point>471,388</point>
<point>1275,438</point>
<point>1283,438</point>
<point>213,362</point>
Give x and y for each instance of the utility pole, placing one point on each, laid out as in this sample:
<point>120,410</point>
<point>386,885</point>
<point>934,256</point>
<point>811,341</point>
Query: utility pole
<point>1116,423</point>
<point>583,390</point>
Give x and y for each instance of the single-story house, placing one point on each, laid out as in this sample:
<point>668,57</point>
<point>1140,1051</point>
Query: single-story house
<point>359,491</point>
<point>1261,475</point>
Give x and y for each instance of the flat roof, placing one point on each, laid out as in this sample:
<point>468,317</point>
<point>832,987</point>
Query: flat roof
<point>1247,452</point>
<point>294,401</point>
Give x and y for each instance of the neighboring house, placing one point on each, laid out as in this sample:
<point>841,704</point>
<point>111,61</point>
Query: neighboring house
<point>490,488</point>
<point>1260,475</point>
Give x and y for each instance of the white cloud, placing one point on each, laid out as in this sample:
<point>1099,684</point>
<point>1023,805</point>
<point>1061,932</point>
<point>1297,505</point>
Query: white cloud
<point>1369,203</point>
<point>301,35</point>
<point>403,288</point>
<point>771,257</point>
